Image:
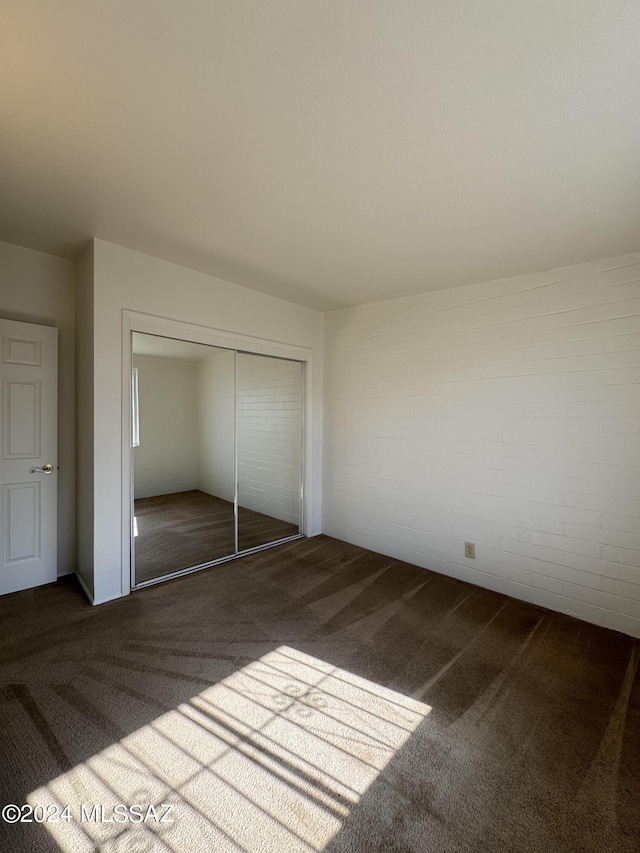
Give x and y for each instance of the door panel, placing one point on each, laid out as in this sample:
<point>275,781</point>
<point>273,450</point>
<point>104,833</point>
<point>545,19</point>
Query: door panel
<point>21,406</point>
<point>21,508</point>
<point>29,373</point>
<point>21,351</point>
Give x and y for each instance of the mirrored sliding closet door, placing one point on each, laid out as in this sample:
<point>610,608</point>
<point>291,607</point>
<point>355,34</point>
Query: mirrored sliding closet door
<point>269,441</point>
<point>216,454</point>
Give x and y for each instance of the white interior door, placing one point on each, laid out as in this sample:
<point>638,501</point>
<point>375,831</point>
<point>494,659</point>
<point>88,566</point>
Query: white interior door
<point>28,473</point>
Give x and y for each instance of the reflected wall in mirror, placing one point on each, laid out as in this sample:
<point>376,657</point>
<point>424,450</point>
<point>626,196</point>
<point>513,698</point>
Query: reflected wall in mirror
<point>183,466</point>
<point>217,453</point>
<point>269,436</point>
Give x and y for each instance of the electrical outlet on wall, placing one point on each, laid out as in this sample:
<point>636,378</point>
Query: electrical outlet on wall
<point>470,550</point>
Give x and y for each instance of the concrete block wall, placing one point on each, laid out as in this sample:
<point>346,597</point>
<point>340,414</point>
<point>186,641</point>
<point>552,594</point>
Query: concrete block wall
<point>506,414</point>
<point>216,418</point>
<point>269,412</point>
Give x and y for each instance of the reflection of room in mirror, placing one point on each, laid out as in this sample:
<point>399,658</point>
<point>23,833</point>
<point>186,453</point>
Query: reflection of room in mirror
<point>194,407</point>
<point>269,417</point>
<point>272,759</point>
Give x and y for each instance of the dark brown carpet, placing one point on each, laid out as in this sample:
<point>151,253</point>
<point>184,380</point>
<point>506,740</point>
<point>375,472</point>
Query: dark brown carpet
<point>184,529</point>
<point>532,742</point>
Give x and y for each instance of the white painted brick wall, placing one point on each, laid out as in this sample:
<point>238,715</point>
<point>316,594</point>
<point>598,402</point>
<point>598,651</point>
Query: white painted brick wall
<point>269,435</point>
<point>506,414</point>
<point>269,411</point>
<point>216,441</point>
<point>167,459</point>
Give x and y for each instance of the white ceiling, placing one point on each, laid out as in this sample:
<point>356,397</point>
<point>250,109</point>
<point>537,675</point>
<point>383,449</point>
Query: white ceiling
<point>332,153</point>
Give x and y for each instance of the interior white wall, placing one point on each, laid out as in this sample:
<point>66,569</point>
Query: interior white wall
<point>269,418</point>
<point>85,412</point>
<point>39,288</point>
<point>216,424</point>
<point>167,459</point>
<point>505,414</point>
<point>127,280</point>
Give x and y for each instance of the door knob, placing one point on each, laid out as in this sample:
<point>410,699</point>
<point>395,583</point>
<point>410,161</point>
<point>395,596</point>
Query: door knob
<point>47,468</point>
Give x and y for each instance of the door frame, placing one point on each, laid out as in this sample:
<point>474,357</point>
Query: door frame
<point>135,321</point>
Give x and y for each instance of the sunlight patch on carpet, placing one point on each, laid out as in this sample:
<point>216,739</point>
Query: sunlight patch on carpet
<point>270,760</point>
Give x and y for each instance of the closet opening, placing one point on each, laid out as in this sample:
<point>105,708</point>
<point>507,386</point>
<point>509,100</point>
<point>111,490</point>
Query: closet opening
<point>216,454</point>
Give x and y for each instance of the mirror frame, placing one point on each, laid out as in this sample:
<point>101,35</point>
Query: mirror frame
<point>149,324</point>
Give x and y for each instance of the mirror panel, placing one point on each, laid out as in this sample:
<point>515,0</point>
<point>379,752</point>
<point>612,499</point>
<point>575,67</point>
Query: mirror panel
<point>269,406</point>
<point>183,455</point>
<point>217,454</point>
